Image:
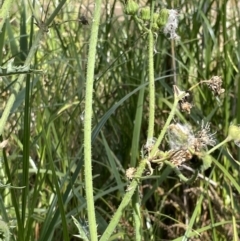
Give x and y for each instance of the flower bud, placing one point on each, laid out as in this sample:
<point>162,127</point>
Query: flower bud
<point>207,161</point>
<point>145,14</point>
<point>155,27</point>
<point>234,134</point>
<point>155,17</point>
<point>163,17</point>
<point>131,7</point>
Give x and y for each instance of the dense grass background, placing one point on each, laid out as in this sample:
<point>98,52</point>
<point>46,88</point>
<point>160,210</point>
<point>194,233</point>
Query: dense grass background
<point>44,155</point>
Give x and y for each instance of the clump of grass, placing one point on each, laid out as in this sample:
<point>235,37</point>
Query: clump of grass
<point>160,76</point>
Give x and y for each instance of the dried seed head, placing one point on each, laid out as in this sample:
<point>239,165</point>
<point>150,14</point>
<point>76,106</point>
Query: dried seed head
<point>172,24</point>
<point>215,84</point>
<point>204,138</point>
<point>180,156</point>
<point>185,106</point>
<point>180,136</point>
<point>185,144</point>
<point>183,97</point>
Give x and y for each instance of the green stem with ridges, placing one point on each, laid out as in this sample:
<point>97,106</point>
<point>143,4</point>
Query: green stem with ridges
<point>88,122</point>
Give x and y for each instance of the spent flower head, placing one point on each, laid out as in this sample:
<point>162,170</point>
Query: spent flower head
<point>184,143</point>
<point>184,97</point>
<point>180,156</point>
<point>204,137</point>
<point>182,137</point>
<point>172,24</point>
<point>215,84</point>
<point>179,94</point>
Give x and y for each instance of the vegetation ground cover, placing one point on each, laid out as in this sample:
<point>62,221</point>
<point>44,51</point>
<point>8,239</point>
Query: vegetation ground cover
<point>44,59</point>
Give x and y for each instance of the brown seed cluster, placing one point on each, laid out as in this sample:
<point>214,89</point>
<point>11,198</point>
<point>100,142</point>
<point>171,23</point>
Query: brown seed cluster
<point>180,156</point>
<point>184,143</point>
<point>215,84</point>
<point>184,102</point>
<point>185,106</point>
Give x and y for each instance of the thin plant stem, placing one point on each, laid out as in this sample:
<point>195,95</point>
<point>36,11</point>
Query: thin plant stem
<point>135,200</point>
<point>125,202</point>
<point>174,62</point>
<point>137,215</point>
<point>180,175</point>
<point>218,145</point>
<point>135,148</point>
<point>234,221</point>
<point>56,11</point>
<point>88,121</point>
<point>164,130</point>
<point>151,85</point>
<point>151,77</point>
<point>238,103</point>
<point>26,129</point>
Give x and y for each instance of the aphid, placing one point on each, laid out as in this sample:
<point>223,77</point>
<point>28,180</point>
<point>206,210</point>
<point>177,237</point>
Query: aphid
<point>83,20</point>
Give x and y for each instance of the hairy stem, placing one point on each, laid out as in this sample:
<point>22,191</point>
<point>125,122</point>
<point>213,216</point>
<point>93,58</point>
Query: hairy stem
<point>151,76</point>
<point>151,85</point>
<point>88,121</point>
